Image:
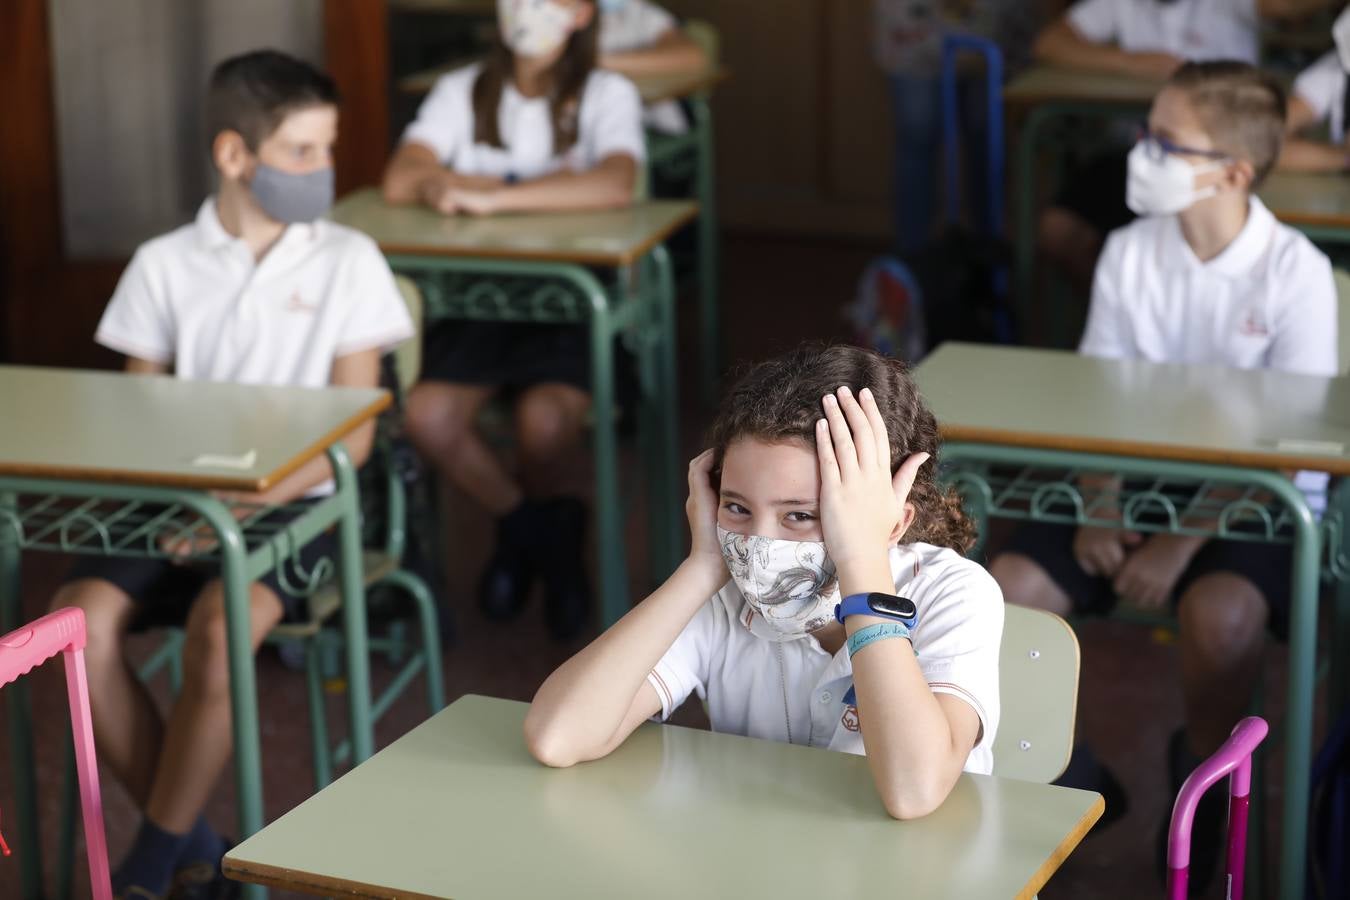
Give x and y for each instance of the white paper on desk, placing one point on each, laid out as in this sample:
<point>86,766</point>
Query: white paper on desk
<point>221,461</point>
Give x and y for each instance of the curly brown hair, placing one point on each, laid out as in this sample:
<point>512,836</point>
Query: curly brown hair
<point>779,400</point>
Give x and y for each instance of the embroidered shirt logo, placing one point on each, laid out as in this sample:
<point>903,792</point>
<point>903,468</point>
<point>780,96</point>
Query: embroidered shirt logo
<point>297,304</point>
<point>1253,324</point>
<point>850,719</point>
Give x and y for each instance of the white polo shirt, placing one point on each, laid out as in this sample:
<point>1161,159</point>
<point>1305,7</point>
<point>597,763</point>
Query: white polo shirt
<point>1267,301</point>
<point>1322,87</point>
<point>637,25</point>
<point>1188,29</point>
<point>196,299</point>
<point>610,123</point>
<point>794,691</point>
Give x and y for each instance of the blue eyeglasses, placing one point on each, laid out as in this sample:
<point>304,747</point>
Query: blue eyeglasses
<point>1159,148</point>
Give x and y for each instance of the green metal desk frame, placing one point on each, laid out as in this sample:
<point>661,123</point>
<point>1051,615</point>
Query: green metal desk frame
<point>1040,485</point>
<point>639,307</point>
<point>676,155</point>
<point>112,519</point>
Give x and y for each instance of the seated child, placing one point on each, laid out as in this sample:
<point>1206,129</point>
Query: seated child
<point>535,127</point>
<point>258,290</point>
<point>819,488</point>
<point>1206,276</point>
<point>637,37</point>
<point>1319,97</point>
<point>1145,39</point>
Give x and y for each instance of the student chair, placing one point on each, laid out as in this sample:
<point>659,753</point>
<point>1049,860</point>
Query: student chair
<point>381,565</point>
<point>1038,695</point>
<point>1234,759</point>
<point>30,646</point>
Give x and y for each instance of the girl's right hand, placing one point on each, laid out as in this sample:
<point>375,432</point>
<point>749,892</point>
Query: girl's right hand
<point>701,508</point>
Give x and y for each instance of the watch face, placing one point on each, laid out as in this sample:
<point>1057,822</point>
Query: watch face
<point>900,607</point>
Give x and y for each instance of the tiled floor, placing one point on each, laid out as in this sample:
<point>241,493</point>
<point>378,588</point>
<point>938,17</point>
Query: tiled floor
<point>1129,698</point>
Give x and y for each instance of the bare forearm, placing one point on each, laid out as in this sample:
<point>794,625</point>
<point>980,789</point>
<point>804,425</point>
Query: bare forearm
<point>911,750</point>
<point>1313,156</point>
<point>1061,45</point>
<point>406,179</point>
<point>676,53</point>
<point>604,187</point>
<point>578,709</point>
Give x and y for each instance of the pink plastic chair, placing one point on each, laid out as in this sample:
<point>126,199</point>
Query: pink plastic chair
<point>31,646</point>
<point>1235,756</point>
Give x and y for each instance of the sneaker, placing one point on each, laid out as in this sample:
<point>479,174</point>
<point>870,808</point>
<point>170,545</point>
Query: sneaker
<point>504,586</point>
<point>202,881</point>
<point>562,564</point>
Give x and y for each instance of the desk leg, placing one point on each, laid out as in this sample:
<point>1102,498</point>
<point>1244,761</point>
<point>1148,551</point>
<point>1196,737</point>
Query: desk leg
<point>243,676</point>
<point>352,585</point>
<point>19,705</point>
<point>1302,671</point>
<point>608,512</point>
<point>708,270</point>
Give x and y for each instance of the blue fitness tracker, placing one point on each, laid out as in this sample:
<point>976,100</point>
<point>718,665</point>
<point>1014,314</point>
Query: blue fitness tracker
<point>885,606</point>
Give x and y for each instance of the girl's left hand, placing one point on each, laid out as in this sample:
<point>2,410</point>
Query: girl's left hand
<point>860,502</point>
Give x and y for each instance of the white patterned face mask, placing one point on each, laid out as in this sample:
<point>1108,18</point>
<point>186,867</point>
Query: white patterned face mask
<point>790,585</point>
<point>533,28</point>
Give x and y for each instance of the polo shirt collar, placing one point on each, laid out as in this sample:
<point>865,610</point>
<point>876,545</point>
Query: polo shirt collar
<point>213,236</point>
<point>1237,259</point>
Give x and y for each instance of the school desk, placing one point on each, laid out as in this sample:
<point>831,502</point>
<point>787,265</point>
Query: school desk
<point>1020,425</point>
<point>1316,204</point>
<point>540,268</point>
<point>107,464</point>
<point>457,808</point>
<point>1049,96</point>
<point>676,156</point>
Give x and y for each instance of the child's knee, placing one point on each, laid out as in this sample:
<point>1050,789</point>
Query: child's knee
<point>548,421</point>
<point>1223,616</point>
<point>435,417</point>
<point>1062,233</point>
<point>107,613</point>
<point>1025,583</point>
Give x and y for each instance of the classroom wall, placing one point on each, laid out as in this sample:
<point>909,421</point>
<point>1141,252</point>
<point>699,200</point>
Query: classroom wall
<point>128,84</point>
<point>804,134</point>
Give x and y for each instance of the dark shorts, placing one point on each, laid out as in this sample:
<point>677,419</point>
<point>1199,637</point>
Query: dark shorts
<point>1094,189</point>
<point>1268,566</point>
<point>506,354</point>
<point>164,591</point>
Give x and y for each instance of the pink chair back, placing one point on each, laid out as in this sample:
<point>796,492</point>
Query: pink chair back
<point>32,645</point>
<point>1234,758</point>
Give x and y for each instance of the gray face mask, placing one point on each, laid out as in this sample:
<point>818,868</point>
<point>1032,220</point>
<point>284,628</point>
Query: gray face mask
<point>292,198</point>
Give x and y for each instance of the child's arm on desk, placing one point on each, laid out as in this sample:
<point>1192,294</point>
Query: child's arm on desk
<point>674,51</point>
<point>592,702</point>
<point>607,186</point>
<point>1303,155</point>
<point>917,742</point>
<point>1060,44</point>
<point>415,175</point>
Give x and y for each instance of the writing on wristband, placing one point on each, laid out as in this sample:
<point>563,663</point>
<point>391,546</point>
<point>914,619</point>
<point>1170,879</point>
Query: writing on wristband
<point>880,632</point>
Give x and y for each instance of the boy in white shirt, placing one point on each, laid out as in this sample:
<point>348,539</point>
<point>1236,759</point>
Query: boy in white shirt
<point>1319,97</point>
<point>1206,276</point>
<point>257,290</point>
<point>1145,39</point>
<point>825,601</point>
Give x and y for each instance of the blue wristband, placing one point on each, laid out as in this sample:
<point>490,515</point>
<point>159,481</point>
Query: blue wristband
<point>880,632</point>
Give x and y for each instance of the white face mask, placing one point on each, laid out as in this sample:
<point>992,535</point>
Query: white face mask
<point>1340,33</point>
<point>1166,186</point>
<point>791,585</point>
<point>533,28</point>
